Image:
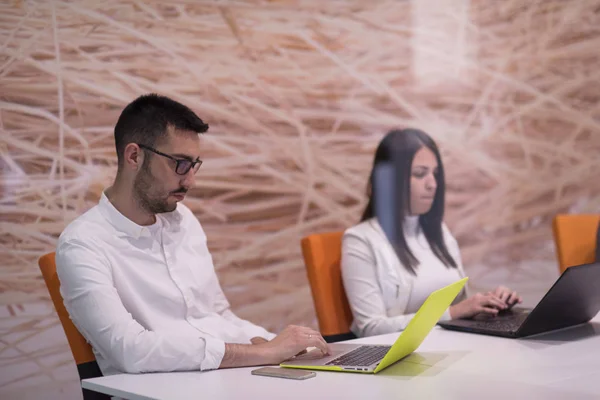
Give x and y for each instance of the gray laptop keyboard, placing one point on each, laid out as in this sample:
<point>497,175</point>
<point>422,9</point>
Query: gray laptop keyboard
<point>362,356</point>
<point>509,324</point>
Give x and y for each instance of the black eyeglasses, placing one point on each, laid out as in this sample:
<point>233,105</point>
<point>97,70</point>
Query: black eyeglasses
<point>182,167</point>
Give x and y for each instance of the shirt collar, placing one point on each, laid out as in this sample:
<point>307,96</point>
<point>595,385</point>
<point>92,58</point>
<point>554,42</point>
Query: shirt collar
<point>412,225</point>
<point>127,227</point>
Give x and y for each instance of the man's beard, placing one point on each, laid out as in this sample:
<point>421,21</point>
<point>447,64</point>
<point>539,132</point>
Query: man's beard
<point>143,194</point>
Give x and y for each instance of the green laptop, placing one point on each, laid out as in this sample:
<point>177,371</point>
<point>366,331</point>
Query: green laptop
<point>371,359</point>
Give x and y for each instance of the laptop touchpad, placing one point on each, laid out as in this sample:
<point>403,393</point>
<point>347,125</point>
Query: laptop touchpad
<point>316,354</point>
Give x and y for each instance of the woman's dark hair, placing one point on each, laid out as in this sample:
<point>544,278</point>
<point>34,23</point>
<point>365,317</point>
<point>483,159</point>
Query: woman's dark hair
<point>398,149</point>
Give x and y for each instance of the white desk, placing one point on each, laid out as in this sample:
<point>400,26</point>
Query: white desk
<point>448,365</point>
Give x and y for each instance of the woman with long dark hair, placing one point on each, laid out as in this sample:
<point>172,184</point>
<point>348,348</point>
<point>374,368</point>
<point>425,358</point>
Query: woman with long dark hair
<point>401,251</point>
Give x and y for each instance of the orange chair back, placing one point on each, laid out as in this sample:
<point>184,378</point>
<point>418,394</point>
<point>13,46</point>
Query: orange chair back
<point>82,351</point>
<point>322,254</point>
<point>575,239</point>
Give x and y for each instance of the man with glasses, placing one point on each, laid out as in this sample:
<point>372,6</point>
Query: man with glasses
<point>136,275</point>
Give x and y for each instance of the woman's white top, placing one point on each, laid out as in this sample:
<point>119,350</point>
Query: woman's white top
<point>383,294</point>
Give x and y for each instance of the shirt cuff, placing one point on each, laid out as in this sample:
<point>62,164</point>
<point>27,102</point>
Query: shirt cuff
<point>261,332</point>
<point>214,351</point>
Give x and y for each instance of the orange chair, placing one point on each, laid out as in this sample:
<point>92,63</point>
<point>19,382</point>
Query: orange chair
<point>87,367</point>
<point>322,254</point>
<point>575,239</point>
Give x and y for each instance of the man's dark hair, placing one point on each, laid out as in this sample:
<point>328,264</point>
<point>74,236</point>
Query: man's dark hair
<point>148,118</point>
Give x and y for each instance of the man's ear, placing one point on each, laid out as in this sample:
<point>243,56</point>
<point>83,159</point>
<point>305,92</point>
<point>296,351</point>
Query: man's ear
<point>133,156</point>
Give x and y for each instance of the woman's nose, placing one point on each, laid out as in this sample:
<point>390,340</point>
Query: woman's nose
<point>431,182</point>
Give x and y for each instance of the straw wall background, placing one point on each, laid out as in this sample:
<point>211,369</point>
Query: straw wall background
<point>297,94</point>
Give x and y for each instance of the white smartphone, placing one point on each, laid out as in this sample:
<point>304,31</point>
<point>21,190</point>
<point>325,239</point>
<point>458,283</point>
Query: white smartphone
<point>288,373</point>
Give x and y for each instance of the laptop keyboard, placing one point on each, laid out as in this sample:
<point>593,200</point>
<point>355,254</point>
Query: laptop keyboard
<point>362,356</point>
<point>510,324</point>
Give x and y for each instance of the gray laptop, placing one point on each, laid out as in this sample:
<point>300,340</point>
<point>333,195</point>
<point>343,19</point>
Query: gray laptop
<point>573,299</point>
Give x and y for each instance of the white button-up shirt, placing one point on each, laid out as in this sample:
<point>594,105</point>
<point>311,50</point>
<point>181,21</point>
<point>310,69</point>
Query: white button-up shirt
<point>146,298</point>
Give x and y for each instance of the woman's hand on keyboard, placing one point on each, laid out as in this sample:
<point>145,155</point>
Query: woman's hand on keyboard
<point>485,304</point>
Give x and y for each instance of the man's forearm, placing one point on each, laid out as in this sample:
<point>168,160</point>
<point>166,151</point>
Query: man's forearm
<point>246,355</point>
